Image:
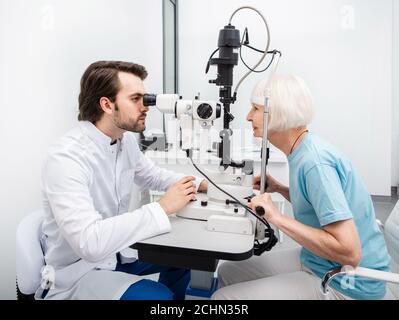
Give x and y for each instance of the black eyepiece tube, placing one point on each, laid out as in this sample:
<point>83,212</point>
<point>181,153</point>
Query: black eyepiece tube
<point>149,100</point>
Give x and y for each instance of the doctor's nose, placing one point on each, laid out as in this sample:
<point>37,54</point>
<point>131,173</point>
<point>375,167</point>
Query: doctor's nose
<point>144,108</point>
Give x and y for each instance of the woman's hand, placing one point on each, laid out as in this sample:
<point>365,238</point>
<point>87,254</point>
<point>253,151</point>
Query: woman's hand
<point>272,184</point>
<point>338,241</point>
<point>265,201</point>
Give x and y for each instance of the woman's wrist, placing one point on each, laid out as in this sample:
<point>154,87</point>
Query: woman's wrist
<point>277,220</point>
<point>281,188</point>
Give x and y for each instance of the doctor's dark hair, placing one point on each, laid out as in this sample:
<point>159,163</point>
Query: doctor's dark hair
<point>101,80</point>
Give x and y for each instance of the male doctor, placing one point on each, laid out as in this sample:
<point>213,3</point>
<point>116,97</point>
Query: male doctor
<point>87,179</point>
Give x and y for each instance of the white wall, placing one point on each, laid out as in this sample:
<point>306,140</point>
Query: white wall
<point>395,105</point>
<point>342,48</point>
<point>45,47</point>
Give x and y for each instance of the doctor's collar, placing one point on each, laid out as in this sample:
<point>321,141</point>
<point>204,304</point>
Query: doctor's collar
<point>96,134</point>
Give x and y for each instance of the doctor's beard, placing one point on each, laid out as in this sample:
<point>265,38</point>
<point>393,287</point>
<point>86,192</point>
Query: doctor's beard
<point>132,125</point>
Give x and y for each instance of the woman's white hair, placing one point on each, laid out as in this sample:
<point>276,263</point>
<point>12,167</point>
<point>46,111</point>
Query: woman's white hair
<point>291,104</point>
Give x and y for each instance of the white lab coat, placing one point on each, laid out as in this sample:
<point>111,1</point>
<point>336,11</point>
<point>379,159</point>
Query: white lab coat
<point>87,185</point>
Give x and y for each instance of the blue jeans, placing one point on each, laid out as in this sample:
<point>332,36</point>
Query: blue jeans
<point>172,283</point>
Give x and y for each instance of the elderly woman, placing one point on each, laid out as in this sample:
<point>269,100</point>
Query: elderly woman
<point>334,222</point>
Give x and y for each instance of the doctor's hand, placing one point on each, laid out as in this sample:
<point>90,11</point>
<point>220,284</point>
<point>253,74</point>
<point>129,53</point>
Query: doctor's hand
<point>272,184</point>
<point>265,201</point>
<point>178,195</point>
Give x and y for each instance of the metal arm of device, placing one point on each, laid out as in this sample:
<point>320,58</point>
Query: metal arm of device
<point>260,228</point>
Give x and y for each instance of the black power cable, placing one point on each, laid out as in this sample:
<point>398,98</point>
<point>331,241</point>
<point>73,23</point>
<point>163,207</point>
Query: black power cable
<point>259,248</point>
<point>208,65</point>
<point>258,71</point>
<point>245,43</point>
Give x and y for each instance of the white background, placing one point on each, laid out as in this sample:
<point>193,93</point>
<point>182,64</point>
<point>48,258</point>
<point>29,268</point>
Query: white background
<point>395,105</point>
<point>342,49</point>
<point>45,47</point>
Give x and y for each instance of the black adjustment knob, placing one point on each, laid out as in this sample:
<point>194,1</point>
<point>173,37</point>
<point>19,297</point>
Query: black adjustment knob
<point>260,211</point>
<point>235,210</point>
<point>218,111</point>
<point>204,111</point>
<point>204,203</point>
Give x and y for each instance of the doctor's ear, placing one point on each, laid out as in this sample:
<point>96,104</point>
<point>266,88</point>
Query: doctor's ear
<point>106,105</point>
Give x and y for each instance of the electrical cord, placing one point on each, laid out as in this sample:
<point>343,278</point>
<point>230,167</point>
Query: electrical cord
<point>208,65</point>
<point>264,52</point>
<point>261,51</point>
<point>266,68</point>
<point>246,44</point>
<point>259,248</point>
<point>258,50</point>
<point>267,44</point>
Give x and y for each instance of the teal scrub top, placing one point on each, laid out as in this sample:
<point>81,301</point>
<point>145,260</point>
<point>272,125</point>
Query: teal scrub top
<point>325,188</point>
